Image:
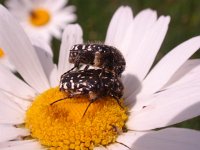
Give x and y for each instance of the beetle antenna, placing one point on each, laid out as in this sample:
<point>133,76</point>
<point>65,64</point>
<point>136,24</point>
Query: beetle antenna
<point>119,104</point>
<point>87,108</point>
<point>59,100</point>
<point>92,101</point>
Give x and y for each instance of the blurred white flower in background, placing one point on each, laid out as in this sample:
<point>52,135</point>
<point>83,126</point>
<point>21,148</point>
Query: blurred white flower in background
<point>42,18</point>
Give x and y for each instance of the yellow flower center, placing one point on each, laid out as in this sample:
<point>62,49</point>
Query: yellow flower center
<point>63,126</point>
<point>2,54</point>
<point>39,17</point>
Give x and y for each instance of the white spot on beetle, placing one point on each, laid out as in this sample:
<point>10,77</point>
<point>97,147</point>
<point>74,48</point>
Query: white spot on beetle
<point>65,86</point>
<point>73,47</point>
<point>84,83</point>
<point>72,85</point>
<point>78,85</point>
<point>83,77</point>
<point>81,89</point>
<point>76,47</point>
<point>89,48</point>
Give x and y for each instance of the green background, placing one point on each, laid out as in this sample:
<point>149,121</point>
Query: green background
<point>94,17</point>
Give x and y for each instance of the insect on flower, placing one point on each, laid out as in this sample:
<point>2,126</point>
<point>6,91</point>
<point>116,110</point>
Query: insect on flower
<point>98,55</point>
<point>91,82</point>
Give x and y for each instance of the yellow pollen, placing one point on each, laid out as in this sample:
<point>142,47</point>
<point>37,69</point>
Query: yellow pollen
<point>2,54</point>
<point>62,125</point>
<point>39,17</point>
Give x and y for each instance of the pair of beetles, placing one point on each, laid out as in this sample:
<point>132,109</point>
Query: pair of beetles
<point>96,83</point>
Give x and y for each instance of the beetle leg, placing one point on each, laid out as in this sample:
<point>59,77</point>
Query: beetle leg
<point>76,64</point>
<point>93,97</point>
<point>71,69</point>
<point>97,59</point>
<point>86,67</point>
<point>71,95</point>
<point>116,129</point>
<point>117,99</point>
<point>102,71</point>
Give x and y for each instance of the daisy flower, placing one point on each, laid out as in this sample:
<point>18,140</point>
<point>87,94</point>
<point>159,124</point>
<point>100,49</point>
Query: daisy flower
<point>153,99</point>
<point>42,18</point>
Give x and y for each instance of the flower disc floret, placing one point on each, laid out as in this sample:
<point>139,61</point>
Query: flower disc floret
<point>63,126</point>
<point>39,17</point>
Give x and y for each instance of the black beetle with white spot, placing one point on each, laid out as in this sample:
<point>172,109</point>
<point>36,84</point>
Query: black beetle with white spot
<point>98,55</point>
<point>94,83</point>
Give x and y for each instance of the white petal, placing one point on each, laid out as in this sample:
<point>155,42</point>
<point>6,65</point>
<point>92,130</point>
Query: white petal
<point>167,66</point>
<point>65,15</point>
<point>141,30</point>
<point>71,36</point>
<point>13,143</point>
<point>136,32</point>
<point>23,104</point>
<point>55,31</point>
<point>169,139</point>
<point>118,25</point>
<point>16,6</point>
<point>124,141</point>
<point>185,76</point>
<point>5,61</point>
<point>69,9</point>
<point>142,59</point>
<point>57,5</point>
<point>21,145</point>
<point>189,72</point>
<point>14,41</point>
<point>167,107</point>
<point>117,146</point>
<point>9,132</point>
<point>130,137</point>
<point>42,33</point>
<point>131,84</point>
<point>12,4</point>
<point>40,43</point>
<point>10,111</point>
<point>53,77</point>
<point>13,85</point>
<point>45,56</point>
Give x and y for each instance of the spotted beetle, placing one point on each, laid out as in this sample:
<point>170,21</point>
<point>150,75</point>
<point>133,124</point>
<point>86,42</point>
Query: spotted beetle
<point>98,55</point>
<point>90,82</point>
